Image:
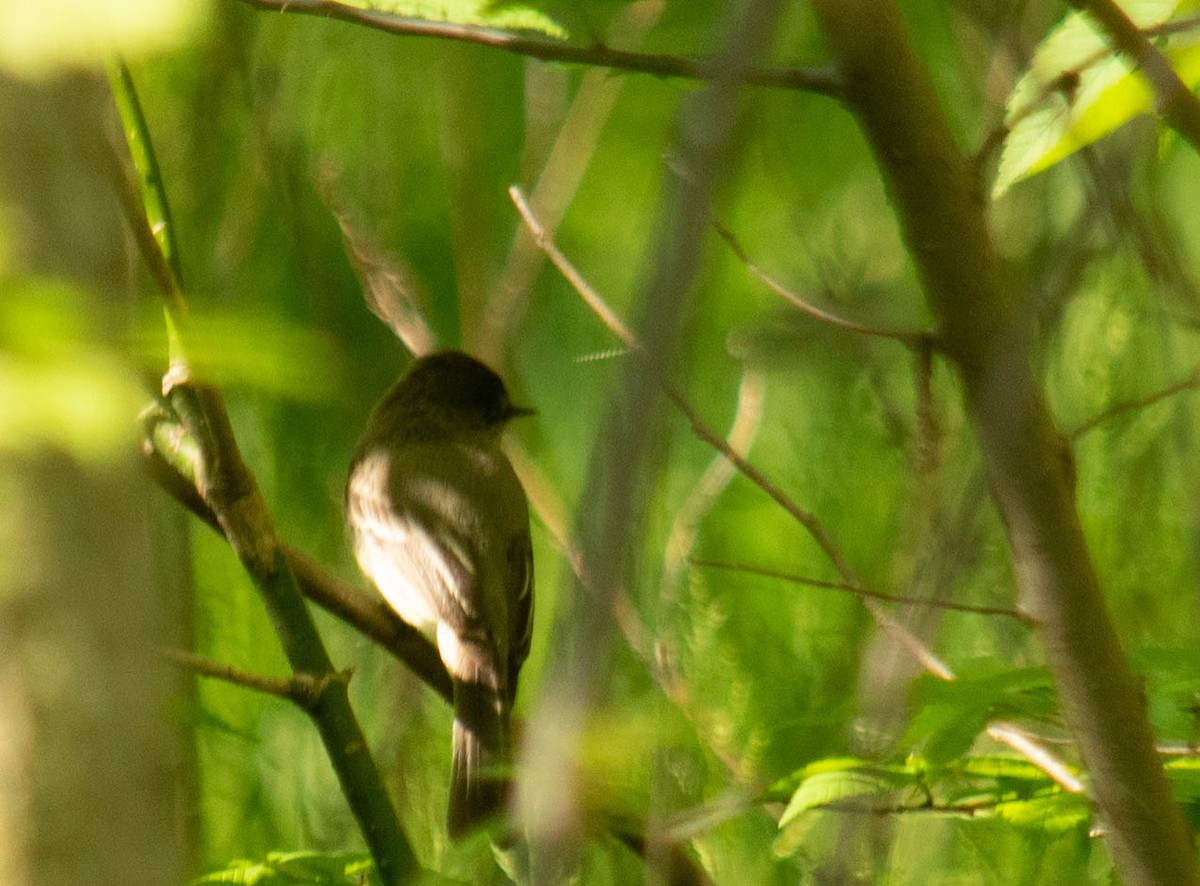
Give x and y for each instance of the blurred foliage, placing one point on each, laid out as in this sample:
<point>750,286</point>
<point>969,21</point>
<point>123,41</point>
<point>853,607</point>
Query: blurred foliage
<point>267,126</point>
<point>35,42</point>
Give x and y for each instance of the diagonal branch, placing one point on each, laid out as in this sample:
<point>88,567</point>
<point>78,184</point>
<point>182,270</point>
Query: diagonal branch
<point>163,445</point>
<point>230,493</point>
<point>700,427</point>
<point>1187,384</point>
<point>914,338</point>
<point>900,632</point>
<point>860,591</point>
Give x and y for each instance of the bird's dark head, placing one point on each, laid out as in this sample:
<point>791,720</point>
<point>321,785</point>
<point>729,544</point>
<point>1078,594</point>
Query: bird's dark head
<point>447,393</point>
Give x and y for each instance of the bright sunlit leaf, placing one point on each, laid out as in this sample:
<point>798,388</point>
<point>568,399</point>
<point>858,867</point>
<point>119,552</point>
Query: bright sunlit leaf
<point>38,37</point>
<point>1077,90</point>
<point>1056,811</point>
<point>507,16</point>
<point>843,779</point>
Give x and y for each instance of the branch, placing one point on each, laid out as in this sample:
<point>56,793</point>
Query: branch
<point>702,430</point>
<point>1188,384</point>
<point>302,689</point>
<point>861,592</point>
<point>230,492</point>
<point>911,337</point>
<point>818,81</point>
<point>625,458</point>
<point>1022,742</point>
<point>369,615</point>
<point>941,214</point>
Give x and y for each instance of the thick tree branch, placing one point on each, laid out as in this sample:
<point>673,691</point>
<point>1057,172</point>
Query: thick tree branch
<point>940,209</point>
<point>821,82</point>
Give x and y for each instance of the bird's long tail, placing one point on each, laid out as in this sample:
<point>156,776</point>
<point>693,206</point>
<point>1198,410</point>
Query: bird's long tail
<point>478,781</point>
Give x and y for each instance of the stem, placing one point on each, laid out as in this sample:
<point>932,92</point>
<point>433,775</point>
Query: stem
<point>940,210</point>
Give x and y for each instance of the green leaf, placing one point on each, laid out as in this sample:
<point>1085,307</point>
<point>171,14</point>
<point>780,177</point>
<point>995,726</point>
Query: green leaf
<point>950,714</point>
<point>279,868</point>
<point>1078,90</point>
<point>1003,768</point>
<point>1057,812</point>
<point>846,778</point>
<point>253,349</point>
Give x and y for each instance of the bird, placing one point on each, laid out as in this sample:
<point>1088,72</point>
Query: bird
<point>440,525</point>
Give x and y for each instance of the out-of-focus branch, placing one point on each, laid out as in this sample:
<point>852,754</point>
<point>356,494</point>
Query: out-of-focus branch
<point>1034,752</point>
<point>861,592</point>
<point>390,288</point>
<point>624,459</point>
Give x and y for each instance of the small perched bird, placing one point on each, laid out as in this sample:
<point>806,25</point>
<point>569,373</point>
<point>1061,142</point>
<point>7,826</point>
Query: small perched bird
<point>441,526</point>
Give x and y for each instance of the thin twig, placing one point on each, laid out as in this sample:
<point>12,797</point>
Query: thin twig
<point>700,428</point>
<point>807,519</point>
<point>911,337</point>
<point>1024,744</point>
<point>617,326</point>
<point>821,81</point>
<point>860,591</point>
<point>558,180</point>
<point>302,689</point>
<point>578,282</point>
<point>1190,383</point>
<point>925,656</point>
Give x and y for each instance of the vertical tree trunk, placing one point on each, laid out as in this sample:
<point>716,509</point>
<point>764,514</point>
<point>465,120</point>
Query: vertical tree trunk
<point>87,749</point>
<point>941,212</point>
